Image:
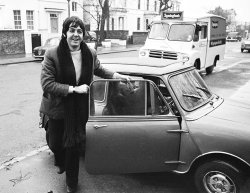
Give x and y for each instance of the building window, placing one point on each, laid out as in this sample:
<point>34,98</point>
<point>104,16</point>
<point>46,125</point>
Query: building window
<point>74,6</point>
<point>147,4</point>
<point>138,23</point>
<point>54,23</point>
<point>121,23</point>
<point>17,19</point>
<point>155,6</point>
<point>30,19</point>
<point>139,4</point>
<point>147,25</point>
<point>113,24</point>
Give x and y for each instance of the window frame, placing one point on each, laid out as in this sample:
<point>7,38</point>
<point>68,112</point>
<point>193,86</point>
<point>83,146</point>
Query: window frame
<point>30,19</point>
<point>103,102</point>
<point>138,23</point>
<point>17,19</point>
<point>74,6</point>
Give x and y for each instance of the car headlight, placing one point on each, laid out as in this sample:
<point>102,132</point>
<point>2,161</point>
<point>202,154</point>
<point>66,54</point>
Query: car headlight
<point>183,57</point>
<point>143,53</point>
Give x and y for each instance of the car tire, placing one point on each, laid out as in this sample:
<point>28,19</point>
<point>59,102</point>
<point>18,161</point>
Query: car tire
<point>242,50</point>
<point>218,176</point>
<point>196,65</point>
<point>210,69</point>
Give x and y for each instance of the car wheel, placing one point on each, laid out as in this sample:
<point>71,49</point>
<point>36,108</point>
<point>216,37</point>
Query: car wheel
<point>242,50</point>
<point>210,69</point>
<point>218,176</point>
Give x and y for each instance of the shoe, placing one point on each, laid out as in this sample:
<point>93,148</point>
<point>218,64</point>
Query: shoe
<point>71,190</point>
<point>60,170</point>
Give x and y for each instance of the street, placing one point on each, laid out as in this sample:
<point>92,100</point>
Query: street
<point>20,134</point>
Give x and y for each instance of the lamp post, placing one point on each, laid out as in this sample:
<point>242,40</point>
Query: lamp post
<point>68,8</point>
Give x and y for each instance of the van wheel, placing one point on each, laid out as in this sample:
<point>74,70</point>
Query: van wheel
<point>210,69</point>
<point>196,65</point>
<point>218,176</point>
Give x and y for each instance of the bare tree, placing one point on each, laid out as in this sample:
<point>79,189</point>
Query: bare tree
<point>97,13</point>
<point>165,5</point>
<point>104,4</point>
<point>101,14</point>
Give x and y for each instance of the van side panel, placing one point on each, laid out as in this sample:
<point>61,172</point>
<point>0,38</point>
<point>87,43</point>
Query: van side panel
<point>216,39</point>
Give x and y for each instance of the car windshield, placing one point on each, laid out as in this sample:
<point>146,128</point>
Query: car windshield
<point>158,31</point>
<point>181,32</point>
<point>190,89</point>
<point>52,42</point>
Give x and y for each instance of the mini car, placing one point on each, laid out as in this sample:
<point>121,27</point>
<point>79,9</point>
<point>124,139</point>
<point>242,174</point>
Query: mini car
<point>245,45</point>
<point>166,119</point>
<point>38,52</point>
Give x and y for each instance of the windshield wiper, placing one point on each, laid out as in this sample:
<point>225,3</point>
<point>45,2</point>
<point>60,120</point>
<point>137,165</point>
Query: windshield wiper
<point>203,89</point>
<point>192,96</point>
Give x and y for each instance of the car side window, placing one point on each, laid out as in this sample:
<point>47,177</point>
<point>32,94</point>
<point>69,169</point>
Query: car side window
<point>118,98</point>
<point>155,104</point>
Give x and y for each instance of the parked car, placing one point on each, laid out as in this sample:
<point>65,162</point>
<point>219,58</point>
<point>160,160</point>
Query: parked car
<point>166,119</point>
<point>38,52</point>
<point>245,45</point>
<point>231,39</point>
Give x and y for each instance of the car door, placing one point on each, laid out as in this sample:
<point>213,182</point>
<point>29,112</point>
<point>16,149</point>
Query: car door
<point>129,129</point>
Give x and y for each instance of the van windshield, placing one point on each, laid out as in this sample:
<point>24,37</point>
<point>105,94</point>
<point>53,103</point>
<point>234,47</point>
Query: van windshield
<point>181,32</point>
<point>158,31</point>
<point>190,90</point>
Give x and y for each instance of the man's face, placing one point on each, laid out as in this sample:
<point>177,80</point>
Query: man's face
<point>74,37</point>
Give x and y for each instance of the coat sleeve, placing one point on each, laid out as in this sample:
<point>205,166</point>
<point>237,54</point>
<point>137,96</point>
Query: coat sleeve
<point>99,70</point>
<point>48,76</point>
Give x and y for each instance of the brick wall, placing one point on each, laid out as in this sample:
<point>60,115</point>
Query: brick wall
<point>117,34</point>
<point>12,42</point>
<point>139,37</point>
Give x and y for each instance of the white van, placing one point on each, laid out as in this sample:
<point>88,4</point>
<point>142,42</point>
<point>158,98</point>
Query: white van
<point>201,42</point>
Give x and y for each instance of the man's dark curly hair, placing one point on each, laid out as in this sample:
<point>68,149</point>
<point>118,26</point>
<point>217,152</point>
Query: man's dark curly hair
<point>75,21</point>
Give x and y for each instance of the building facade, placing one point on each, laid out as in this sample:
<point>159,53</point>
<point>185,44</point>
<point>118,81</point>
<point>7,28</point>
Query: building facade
<point>131,15</point>
<point>232,18</point>
<point>39,19</point>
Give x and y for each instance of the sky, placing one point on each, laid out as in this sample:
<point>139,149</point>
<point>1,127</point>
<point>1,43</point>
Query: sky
<point>194,8</point>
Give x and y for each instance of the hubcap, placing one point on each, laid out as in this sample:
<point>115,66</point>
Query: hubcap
<point>218,182</point>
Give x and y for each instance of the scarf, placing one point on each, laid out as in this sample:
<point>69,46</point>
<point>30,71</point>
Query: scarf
<point>75,105</point>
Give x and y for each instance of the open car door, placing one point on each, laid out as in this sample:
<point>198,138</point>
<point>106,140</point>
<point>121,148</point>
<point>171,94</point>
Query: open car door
<point>128,129</point>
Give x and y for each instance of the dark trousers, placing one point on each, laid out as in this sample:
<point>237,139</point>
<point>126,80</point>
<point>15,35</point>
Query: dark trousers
<point>67,157</point>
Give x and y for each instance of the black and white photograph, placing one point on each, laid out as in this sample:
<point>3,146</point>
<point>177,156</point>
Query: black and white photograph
<point>124,96</point>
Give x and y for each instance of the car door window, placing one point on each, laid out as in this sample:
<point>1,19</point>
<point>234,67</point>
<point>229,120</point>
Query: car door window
<point>118,98</point>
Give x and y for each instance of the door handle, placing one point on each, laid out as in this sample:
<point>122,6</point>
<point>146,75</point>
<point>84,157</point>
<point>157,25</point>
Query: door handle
<point>99,126</point>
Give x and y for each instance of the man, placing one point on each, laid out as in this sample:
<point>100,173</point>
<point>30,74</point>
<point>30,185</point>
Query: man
<point>67,71</point>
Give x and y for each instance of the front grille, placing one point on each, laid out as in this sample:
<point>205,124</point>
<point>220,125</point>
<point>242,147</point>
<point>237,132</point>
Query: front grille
<point>163,54</point>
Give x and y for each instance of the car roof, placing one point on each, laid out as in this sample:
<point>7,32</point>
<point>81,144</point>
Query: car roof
<point>143,66</point>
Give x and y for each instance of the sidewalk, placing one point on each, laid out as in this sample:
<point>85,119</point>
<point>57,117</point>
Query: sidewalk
<point>23,58</point>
